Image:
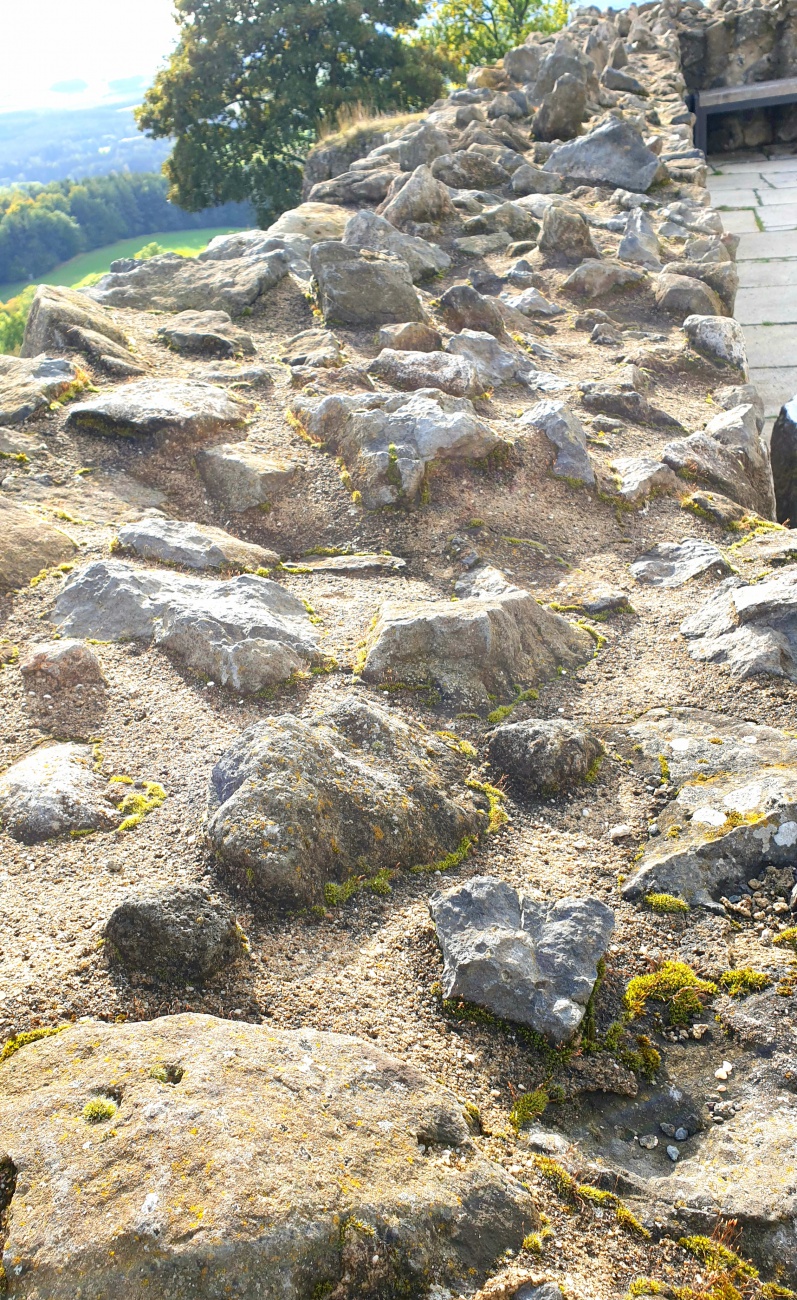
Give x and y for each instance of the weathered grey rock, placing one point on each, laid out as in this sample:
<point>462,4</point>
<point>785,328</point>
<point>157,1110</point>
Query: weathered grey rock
<point>196,546</point>
<point>640,243</point>
<point>355,186</point>
<point>175,933</point>
<point>413,370</point>
<point>615,79</point>
<point>751,628</point>
<point>317,348</point>
<point>738,430</point>
<point>623,401</point>
<point>28,545</point>
<point>61,665</point>
<point>613,154</point>
<point>246,632</point>
<point>565,234</point>
<point>475,648</point>
<point>242,475</point>
<point>311,221</point>
<point>523,63</point>
<point>729,456</point>
<point>683,296</point>
<point>464,170</point>
<point>774,547</point>
<point>736,804</point>
<point>414,336</point>
<point>730,395</point>
<point>388,442</point>
<point>172,283</point>
<point>153,406</point>
<point>353,564</point>
<point>595,278</point>
<point>714,507</point>
<point>532,303</point>
<point>353,790</point>
<point>62,318</point>
<point>544,757</point>
<point>639,477</point>
<point>783,450</point>
<point>463,308</point>
<point>421,143</point>
<point>206,333</point>
<point>671,564</point>
<point>248,1097</point>
<point>722,279</point>
<point>28,384</point>
<point>367,230</point>
<point>564,431</point>
<point>494,362</point>
<point>483,245</point>
<point>530,962</point>
<point>363,288</point>
<point>421,200</point>
<point>53,791</point>
<point>529,179</point>
<point>562,110</point>
<point>718,338</point>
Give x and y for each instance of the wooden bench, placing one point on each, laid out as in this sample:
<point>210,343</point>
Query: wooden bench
<point>735,99</point>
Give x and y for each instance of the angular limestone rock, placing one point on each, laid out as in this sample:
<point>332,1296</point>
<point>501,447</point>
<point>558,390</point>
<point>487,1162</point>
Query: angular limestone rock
<point>613,154</point>
<point>28,545</point>
<point>595,278</point>
<point>387,442</point>
<point>197,546</point>
<point>242,475</point>
<point>363,288</point>
<point>206,334</point>
<point>639,477</point>
<point>682,296</point>
<point>564,431</point>
<point>367,230</point>
<point>736,804</point>
<point>718,338</point>
<point>783,448</point>
<point>153,406</point>
<point>494,362</point>
<point>420,200</point>
<point>276,1114</point>
<point>703,459</point>
<point>246,632</point>
<point>751,628</point>
<point>65,318</point>
<point>545,757</point>
<point>566,234</point>
<point>530,962</point>
<point>295,805</point>
<point>53,791</point>
<point>671,564</point>
<point>413,370</point>
<point>28,385</point>
<point>173,283</point>
<point>475,648</point>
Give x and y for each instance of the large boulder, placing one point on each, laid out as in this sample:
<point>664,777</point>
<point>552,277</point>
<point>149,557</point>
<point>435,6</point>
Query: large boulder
<point>173,933</point>
<point>544,757</point>
<point>155,406</point>
<point>671,564</point>
<point>737,429</point>
<point>469,170</point>
<point>566,234</point>
<point>363,288</point>
<point>31,384</point>
<point>420,143</point>
<point>367,230</point>
<point>783,449</point>
<point>28,545</point>
<point>311,221</point>
<point>733,805</point>
<point>734,460</point>
<point>296,805</point>
<point>413,370</point>
<point>613,154</point>
<point>242,475</point>
<point>172,283</point>
<point>495,363</point>
<point>562,110</point>
<point>65,318</point>
<point>564,432</point>
<point>750,627</point>
<point>244,1159</point>
<point>463,307</point>
<point>683,296</point>
<point>246,632</point>
<point>718,338</point>
<point>476,648</point>
<point>531,962</point>
<point>596,278</point>
<point>387,442</point>
<point>206,334</point>
<point>196,546</point>
<point>420,200</point>
<point>53,791</point>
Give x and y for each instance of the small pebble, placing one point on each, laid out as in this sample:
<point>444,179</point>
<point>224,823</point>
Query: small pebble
<point>668,1130</point>
<point>681,1134</point>
<point>620,832</point>
<point>673,1152</point>
<point>648,1141</point>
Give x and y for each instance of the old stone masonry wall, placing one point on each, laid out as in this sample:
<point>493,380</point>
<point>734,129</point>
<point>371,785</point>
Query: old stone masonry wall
<point>398,765</point>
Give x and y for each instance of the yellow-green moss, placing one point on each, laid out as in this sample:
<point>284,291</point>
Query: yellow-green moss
<point>452,859</point>
<point>335,894</point>
<point>664,903</point>
<point>738,983</point>
<point>455,742</point>
<point>19,1041</point>
<point>563,1183</point>
<point>664,768</point>
<point>628,1220</point>
<point>676,985</point>
<point>504,710</point>
<point>99,1109</point>
<point>715,1255</point>
<point>529,1106</point>
<point>138,804</point>
<point>787,938</point>
<point>496,813</point>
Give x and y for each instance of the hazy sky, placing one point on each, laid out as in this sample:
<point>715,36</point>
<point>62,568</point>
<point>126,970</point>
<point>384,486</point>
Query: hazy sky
<point>68,53</point>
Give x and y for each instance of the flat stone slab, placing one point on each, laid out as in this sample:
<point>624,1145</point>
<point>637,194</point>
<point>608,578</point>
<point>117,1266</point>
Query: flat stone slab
<point>533,963</point>
<point>277,1115</point>
<point>206,334</point>
<point>246,632</point>
<point>671,564</point>
<point>172,283</point>
<point>196,546</point>
<point>153,406</point>
<point>53,791</point>
<point>29,384</point>
<point>767,244</point>
<point>366,562</point>
<point>750,627</point>
<point>243,475</point>
<point>754,306</point>
<point>771,346</point>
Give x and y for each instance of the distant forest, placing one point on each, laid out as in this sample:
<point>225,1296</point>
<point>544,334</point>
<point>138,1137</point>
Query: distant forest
<point>68,144</point>
<point>43,225</point>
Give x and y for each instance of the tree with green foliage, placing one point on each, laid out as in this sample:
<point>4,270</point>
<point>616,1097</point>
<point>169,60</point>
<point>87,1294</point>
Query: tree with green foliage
<point>251,81</point>
<point>473,32</point>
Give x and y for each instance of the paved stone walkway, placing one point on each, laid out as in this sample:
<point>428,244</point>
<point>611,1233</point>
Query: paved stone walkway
<point>758,200</point>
